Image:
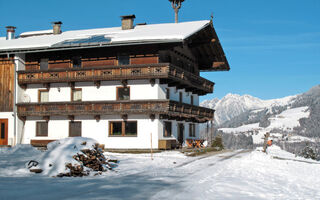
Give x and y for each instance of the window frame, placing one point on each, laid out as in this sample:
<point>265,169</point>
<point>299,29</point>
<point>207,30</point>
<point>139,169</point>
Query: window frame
<point>192,130</point>
<point>69,134</point>
<point>72,95</point>
<point>165,133</point>
<point>117,93</point>
<point>39,95</point>
<point>123,129</point>
<point>37,129</point>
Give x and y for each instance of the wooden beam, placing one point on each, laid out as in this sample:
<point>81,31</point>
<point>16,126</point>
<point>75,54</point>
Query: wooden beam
<point>124,117</point>
<point>47,86</point>
<point>152,81</point>
<point>46,118</point>
<point>124,82</point>
<point>97,84</point>
<point>71,117</point>
<point>152,117</point>
<point>71,84</point>
<point>217,64</point>
<point>97,118</point>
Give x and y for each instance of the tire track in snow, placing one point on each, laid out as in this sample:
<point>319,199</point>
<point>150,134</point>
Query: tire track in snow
<point>219,160</point>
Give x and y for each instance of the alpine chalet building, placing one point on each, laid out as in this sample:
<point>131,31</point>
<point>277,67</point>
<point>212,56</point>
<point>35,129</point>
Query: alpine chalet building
<point>129,87</point>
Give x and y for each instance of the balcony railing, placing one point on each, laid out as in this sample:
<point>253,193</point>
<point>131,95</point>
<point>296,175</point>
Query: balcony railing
<point>181,77</point>
<point>166,107</point>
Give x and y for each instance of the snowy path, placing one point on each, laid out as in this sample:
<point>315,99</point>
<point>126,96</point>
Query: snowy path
<point>171,175</point>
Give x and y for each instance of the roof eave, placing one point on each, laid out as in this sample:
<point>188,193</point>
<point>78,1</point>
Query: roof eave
<point>48,49</point>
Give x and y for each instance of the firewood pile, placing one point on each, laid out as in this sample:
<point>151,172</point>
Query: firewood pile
<point>89,160</point>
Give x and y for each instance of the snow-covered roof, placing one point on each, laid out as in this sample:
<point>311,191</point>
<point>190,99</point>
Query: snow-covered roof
<point>146,33</point>
<point>30,33</point>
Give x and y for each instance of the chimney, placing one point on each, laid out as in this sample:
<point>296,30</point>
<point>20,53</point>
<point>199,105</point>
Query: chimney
<point>127,21</point>
<point>57,27</point>
<point>10,32</point>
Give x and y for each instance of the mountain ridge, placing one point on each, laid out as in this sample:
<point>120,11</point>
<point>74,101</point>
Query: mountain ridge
<point>293,121</point>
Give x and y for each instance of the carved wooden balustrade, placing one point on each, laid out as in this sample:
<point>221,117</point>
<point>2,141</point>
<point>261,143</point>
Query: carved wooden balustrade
<point>167,71</point>
<point>164,107</point>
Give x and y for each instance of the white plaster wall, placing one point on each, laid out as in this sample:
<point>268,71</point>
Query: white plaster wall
<point>175,130</point>
<point>106,92</point>
<point>174,94</point>
<point>9,116</point>
<point>58,92</point>
<point>139,90</point>
<point>142,89</point>
<point>18,125</point>
<point>58,128</point>
<point>196,100</point>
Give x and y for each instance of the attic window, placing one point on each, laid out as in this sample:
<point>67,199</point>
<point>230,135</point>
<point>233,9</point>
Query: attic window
<point>123,60</point>
<point>44,63</point>
<point>76,62</point>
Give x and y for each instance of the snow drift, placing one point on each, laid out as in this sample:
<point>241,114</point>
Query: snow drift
<point>64,152</point>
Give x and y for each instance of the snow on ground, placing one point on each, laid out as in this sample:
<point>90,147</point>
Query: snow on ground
<point>170,175</point>
<point>290,118</point>
<point>241,129</point>
<point>285,121</point>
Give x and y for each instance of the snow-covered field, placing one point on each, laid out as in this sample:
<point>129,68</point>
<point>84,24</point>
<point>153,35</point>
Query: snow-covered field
<point>170,175</point>
<point>285,121</point>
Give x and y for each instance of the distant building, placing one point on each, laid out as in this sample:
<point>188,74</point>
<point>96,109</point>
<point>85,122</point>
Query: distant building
<point>120,86</point>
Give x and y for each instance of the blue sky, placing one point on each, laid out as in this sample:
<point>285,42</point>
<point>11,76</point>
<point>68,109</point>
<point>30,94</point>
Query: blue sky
<point>273,46</point>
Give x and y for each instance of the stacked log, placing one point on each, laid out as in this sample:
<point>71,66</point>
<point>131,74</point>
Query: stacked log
<point>89,160</point>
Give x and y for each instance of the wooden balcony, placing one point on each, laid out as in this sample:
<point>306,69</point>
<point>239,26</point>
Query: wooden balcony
<point>166,72</point>
<point>166,108</point>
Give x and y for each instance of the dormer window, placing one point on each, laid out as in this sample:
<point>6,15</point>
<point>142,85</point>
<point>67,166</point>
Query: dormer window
<point>76,62</point>
<point>123,60</point>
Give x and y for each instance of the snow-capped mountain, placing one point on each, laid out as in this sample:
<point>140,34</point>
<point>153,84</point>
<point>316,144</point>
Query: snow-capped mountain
<point>292,119</point>
<point>233,105</point>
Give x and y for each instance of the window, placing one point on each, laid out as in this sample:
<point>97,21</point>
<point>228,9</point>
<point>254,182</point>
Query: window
<point>43,95</point>
<point>76,62</point>
<point>74,129</point>
<point>130,128</point>
<point>191,99</point>
<point>167,93</point>
<point>76,94</point>
<point>192,130</point>
<point>44,63</point>
<point>42,129</point>
<point>180,97</point>
<point>123,93</point>
<point>123,60</point>
<point>123,128</point>
<point>167,131</point>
